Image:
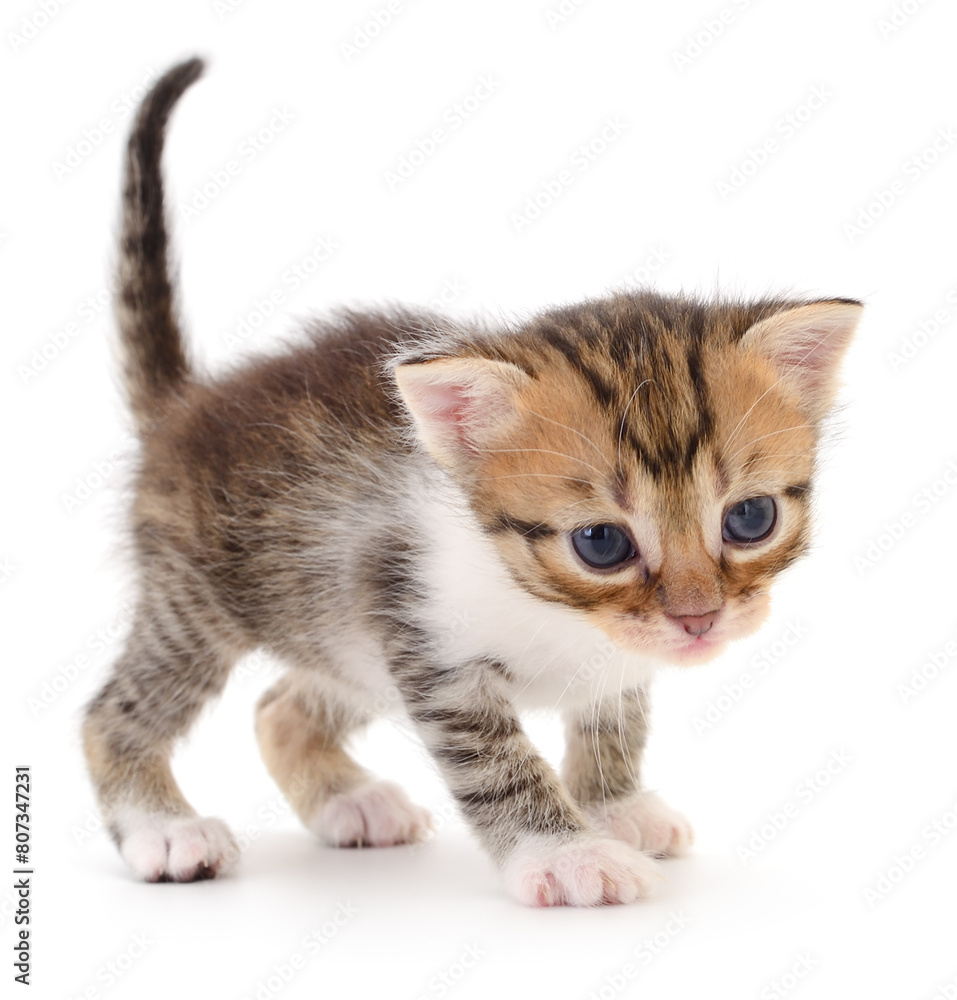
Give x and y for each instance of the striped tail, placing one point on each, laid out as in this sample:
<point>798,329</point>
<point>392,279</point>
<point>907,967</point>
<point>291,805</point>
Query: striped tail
<point>155,362</point>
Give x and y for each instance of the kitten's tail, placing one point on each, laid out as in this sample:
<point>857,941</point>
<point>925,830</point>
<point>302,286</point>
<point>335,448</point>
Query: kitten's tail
<point>155,362</point>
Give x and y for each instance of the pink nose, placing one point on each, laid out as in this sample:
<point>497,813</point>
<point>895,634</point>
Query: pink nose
<point>696,624</point>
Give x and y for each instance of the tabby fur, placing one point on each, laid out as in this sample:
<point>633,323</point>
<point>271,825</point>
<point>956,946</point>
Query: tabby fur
<point>387,509</point>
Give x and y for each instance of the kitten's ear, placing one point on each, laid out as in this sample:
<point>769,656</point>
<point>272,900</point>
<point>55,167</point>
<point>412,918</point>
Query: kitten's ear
<point>805,345</point>
<point>460,404</point>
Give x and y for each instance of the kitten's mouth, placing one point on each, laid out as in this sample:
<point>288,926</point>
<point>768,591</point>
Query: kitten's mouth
<point>663,644</point>
<point>697,650</point>
<point>697,638</point>
<point>664,639</point>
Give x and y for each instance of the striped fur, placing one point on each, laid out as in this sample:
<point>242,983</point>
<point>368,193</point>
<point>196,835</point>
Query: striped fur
<point>145,312</point>
<point>388,507</point>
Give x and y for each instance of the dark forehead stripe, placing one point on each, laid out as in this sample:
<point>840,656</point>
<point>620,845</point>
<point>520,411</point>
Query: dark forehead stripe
<point>527,529</point>
<point>570,343</point>
<point>673,418</point>
<point>799,491</point>
<point>603,391</point>
<point>618,346</point>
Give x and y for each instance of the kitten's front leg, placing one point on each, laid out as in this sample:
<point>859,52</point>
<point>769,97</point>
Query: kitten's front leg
<point>514,801</point>
<point>602,769</point>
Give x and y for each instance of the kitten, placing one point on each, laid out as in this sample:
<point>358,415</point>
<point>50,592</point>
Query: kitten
<point>463,517</point>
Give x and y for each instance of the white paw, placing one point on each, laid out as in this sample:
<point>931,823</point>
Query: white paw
<point>176,848</point>
<point>581,872</point>
<point>375,815</point>
<point>645,822</point>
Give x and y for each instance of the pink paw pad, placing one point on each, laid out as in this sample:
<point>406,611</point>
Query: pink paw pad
<point>646,822</point>
<point>375,815</point>
<point>581,872</point>
<point>176,848</point>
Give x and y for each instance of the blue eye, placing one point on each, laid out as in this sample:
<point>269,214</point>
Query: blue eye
<point>751,520</point>
<point>602,546</point>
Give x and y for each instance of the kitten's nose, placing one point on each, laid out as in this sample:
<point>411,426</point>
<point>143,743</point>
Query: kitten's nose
<point>696,624</point>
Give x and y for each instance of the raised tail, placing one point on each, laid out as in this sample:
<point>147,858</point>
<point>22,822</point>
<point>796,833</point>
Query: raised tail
<point>155,362</point>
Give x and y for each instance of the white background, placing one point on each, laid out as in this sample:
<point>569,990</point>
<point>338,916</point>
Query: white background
<point>811,891</point>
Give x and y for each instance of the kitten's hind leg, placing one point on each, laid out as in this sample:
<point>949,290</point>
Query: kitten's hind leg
<point>602,771</point>
<point>301,735</point>
<point>171,666</point>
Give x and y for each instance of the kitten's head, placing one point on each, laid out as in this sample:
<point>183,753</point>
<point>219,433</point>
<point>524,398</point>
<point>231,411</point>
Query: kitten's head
<point>644,461</point>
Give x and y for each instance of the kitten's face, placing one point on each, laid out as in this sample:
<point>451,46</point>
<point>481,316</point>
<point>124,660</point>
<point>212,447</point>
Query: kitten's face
<point>653,483</point>
<point>665,481</point>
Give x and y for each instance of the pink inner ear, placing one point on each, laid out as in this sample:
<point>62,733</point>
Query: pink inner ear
<point>457,403</point>
<point>448,410</point>
<point>806,343</point>
<point>811,354</point>
<point>447,403</point>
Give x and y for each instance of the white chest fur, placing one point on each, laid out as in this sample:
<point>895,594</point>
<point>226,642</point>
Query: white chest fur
<point>558,660</point>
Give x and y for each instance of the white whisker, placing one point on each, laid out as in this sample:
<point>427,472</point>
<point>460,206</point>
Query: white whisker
<point>584,437</point>
<point>541,451</point>
<point>621,426</point>
<point>782,430</point>
<point>540,475</point>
